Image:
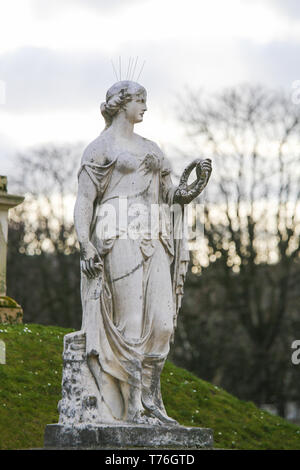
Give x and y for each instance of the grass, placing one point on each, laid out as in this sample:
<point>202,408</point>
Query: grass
<point>30,388</point>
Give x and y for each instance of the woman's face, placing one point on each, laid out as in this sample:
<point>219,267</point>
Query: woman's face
<point>135,109</point>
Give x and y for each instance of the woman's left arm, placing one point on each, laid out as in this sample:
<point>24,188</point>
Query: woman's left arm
<point>167,186</point>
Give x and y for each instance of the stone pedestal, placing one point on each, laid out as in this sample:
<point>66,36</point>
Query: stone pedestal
<point>81,402</point>
<point>10,311</point>
<point>83,415</point>
<point>118,436</point>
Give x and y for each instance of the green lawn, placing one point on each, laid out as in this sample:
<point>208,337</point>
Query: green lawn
<point>30,388</point>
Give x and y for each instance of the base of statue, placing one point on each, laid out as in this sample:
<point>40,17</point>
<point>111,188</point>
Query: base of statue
<point>118,436</point>
<point>10,311</point>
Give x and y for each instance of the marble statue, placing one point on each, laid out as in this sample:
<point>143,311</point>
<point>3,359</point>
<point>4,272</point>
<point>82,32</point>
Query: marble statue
<point>132,275</point>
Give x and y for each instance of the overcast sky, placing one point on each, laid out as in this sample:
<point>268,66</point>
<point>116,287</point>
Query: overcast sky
<point>55,60</point>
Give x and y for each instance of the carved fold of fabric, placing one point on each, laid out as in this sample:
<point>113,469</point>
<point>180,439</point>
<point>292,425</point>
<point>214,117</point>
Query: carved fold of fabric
<point>182,258</point>
<point>177,242</point>
<point>129,196</point>
<point>117,356</point>
<point>147,246</point>
<point>167,191</point>
<point>99,174</point>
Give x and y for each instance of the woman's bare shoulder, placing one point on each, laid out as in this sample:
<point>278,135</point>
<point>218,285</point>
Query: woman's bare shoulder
<point>96,152</point>
<point>150,146</point>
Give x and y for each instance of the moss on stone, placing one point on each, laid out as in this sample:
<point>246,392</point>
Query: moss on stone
<point>8,302</point>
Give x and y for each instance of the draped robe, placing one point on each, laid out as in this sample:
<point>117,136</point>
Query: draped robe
<point>126,180</point>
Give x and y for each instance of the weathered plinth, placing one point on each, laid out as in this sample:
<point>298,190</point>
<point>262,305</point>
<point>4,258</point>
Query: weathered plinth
<point>10,311</point>
<point>82,414</point>
<point>118,436</point>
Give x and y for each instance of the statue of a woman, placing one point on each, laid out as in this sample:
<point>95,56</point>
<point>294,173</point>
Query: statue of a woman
<point>131,276</point>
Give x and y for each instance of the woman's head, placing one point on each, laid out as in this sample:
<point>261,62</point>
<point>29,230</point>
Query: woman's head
<point>119,96</point>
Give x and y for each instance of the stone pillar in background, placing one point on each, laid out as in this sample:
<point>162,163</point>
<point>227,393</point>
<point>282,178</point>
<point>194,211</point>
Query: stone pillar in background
<point>10,311</point>
<point>2,352</point>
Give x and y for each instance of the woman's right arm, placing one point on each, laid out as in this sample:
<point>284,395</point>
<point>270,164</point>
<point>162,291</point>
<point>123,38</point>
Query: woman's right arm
<point>83,214</point>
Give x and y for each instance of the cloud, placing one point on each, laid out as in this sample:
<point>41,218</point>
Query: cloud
<point>39,78</point>
<point>43,9</point>
<point>274,64</point>
<point>290,8</point>
<point>42,79</point>
<point>8,149</point>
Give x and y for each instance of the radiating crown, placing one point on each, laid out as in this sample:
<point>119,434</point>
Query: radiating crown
<point>131,70</point>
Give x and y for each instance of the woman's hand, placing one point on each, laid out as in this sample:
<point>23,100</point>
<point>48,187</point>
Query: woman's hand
<point>185,193</point>
<point>204,169</point>
<point>91,264</point>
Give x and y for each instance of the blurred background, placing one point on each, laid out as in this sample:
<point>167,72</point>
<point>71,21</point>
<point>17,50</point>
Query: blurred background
<point>223,82</point>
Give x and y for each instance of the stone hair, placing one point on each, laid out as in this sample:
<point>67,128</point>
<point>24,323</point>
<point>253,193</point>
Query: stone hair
<point>117,97</point>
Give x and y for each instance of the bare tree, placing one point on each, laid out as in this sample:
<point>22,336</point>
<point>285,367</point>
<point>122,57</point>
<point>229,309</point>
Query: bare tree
<point>252,217</point>
<point>48,246</point>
